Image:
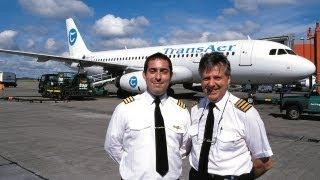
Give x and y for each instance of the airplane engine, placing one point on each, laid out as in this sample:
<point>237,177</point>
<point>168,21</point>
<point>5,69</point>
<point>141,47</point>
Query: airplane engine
<point>133,82</point>
<point>181,75</point>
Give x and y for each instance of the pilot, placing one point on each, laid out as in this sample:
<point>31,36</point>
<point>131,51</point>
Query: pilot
<point>147,134</point>
<point>228,136</point>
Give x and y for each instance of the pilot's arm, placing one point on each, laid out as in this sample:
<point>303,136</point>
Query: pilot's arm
<point>257,142</point>
<point>113,143</point>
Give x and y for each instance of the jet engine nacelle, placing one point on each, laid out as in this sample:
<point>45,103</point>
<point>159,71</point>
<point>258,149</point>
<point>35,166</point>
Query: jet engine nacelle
<point>133,82</point>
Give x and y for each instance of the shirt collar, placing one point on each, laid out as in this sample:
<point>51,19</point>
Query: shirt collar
<point>150,97</point>
<point>221,103</point>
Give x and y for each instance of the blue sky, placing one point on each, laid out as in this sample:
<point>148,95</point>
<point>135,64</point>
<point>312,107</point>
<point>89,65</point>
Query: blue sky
<point>39,25</point>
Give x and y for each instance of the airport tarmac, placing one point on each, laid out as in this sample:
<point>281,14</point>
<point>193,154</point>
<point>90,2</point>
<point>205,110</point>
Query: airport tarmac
<point>64,140</point>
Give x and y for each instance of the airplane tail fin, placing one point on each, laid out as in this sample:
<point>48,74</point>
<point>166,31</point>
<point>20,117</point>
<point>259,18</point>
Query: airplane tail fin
<point>77,47</point>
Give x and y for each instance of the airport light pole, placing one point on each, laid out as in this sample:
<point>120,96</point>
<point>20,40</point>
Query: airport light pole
<point>303,52</point>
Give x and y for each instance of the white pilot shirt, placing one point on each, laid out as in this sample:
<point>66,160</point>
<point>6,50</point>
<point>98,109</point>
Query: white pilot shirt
<point>238,137</point>
<point>130,138</point>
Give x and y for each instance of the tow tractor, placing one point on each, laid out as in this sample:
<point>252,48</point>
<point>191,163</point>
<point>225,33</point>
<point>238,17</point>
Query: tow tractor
<point>296,105</point>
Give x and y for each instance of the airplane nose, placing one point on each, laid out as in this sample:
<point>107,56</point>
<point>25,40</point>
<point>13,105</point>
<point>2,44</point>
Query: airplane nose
<point>305,68</point>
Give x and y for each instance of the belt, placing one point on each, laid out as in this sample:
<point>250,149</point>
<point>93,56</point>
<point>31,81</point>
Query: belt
<point>208,176</point>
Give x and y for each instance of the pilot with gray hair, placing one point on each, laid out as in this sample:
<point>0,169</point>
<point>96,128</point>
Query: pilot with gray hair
<point>229,140</point>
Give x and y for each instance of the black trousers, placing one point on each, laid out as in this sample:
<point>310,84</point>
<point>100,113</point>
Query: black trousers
<point>195,175</point>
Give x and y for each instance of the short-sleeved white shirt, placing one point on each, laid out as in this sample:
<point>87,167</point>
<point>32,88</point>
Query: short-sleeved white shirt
<point>238,137</point>
<point>130,138</point>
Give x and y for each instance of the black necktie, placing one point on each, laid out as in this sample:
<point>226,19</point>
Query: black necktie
<point>162,165</point>
<point>207,139</point>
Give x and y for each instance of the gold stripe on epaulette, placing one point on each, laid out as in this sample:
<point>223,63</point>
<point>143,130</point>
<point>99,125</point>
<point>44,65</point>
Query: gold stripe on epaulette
<point>239,101</point>
<point>128,100</point>
<point>181,104</point>
<point>247,108</point>
<point>243,105</point>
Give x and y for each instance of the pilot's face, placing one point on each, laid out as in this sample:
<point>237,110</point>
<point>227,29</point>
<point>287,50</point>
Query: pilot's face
<point>215,82</point>
<point>157,76</point>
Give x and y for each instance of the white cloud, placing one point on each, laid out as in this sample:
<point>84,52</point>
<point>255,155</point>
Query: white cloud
<point>57,8</point>
<point>184,36</point>
<point>252,6</point>
<point>246,5</point>
<point>30,43</point>
<point>50,45</point>
<point>124,42</point>
<point>7,39</point>
<point>276,2</point>
<point>284,29</point>
<point>247,27</point>
<point>111,26</point>
<point>28,67</point>
<point>229,11</point>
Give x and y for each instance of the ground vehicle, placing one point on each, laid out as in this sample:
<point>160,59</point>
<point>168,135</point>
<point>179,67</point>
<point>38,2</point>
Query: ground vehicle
<point>8,79</point>
<point>295,105</point>
<point>65,85</point>
<point>265,89</point>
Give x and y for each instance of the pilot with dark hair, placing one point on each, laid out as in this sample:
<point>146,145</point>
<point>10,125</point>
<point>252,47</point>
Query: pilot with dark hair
<point>229,140</point>
<point>147,134</point>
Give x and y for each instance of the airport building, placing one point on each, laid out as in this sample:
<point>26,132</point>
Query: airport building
<point>309,47</point>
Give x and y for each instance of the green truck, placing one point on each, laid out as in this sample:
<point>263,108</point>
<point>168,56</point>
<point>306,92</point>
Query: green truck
<point>65,85</point>
<point>296,105</point>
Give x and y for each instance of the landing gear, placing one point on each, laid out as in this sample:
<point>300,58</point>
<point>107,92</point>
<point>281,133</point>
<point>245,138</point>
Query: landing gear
<point>251,93</point>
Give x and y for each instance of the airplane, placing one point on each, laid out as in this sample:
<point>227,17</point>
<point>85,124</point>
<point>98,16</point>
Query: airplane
<point>252,61</point>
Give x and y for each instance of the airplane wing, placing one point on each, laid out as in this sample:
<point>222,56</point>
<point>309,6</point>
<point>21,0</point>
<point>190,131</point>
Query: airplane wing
<point>46,57</point>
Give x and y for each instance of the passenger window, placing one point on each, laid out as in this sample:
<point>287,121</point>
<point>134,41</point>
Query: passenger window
<point>233,53</point>
<point>191,55</point>
<point>281,51</point>
<point>182,55</point>
<point>178,55</point>
<point>272,52</point>
<point>227,54</point>
<point>196,55</point>
<point>187,55</point>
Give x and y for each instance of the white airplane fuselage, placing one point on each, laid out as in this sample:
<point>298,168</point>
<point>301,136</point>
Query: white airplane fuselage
<point>249,59</point>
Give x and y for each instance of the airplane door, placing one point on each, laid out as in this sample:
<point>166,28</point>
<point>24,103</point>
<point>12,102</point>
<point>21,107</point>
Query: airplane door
<point>245,53</point>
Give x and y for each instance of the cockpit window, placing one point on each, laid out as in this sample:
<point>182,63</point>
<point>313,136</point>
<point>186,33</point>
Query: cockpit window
<point>272,52</point>
<point>281,51</point>
<point>289,51</point>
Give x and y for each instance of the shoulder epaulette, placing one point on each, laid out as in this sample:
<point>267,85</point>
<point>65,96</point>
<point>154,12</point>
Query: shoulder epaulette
<point>181,104</point>
<point>243,105</point>
<point>128,100</point>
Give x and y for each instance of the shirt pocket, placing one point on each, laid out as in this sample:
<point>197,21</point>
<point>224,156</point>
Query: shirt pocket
<point>229,140</point>
<point>140,132</point>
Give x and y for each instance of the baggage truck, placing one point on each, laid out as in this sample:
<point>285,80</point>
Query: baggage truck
<point>8,79</point>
